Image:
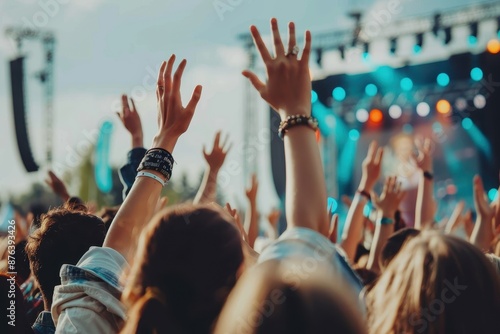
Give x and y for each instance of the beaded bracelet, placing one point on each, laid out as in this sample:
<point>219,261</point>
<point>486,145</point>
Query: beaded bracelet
<point>159,160</point>
<point>295,120</point>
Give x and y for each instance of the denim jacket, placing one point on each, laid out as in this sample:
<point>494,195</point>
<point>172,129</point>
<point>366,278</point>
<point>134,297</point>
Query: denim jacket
<point>88,299</point>
<point>44,324</point>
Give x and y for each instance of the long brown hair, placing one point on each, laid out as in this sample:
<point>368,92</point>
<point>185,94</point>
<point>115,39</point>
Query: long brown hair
<point>436,284</point>
<point>270,299</point>
<point>185,267</point>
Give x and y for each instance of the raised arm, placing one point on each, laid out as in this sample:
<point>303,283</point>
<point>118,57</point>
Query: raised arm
<point>288,92</point>
<point>483,233</point>
<point>215,159</point>
<point>173,121</point>
<point>57,186</point>
<point>353,228</point>
<point>252,214</point>
<point>387,205</point>
<point>425,206</point>
<point>131,121</point>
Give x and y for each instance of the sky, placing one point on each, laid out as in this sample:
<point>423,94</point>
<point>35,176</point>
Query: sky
<point>108,47</point>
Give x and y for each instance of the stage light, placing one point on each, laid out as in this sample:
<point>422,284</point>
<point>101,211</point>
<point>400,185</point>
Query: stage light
<point>371,90</point>
<point>467,123</point>
<point>406,84</point>
<point>447,35</point>
<point>376,116</point>
<point>423,109</point>
<point>474,27</point>
<point>493,46</point>
<point>443,79</point>
<point>461,104</point>
<point>479,101</point>
<point>339,94</point>
<point>418,45</point>
<point>395,111</point>
<point>354,134</point>
<point>314,96</point>
<point>393,45</point>
<point>492,194</point>
<point>362,115</point>
<point>443,106</point>
<point>476,74</point>
<point>407,128</point>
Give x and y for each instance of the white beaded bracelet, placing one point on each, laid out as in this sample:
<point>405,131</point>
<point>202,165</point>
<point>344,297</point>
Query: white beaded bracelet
<point>152,176</point>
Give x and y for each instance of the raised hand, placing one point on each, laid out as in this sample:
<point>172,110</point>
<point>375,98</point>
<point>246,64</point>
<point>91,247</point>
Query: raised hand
<point>57,186</point>
<point>252,191</point>
<point>483,208</point>
<point>274,217</point>
<point>288,86</point>
<point>215,159</point>
<point>237,221</point>
<point>424,158</point>
<point>371,167</point>
<point>484,229</point>
<point>173,118</point>
<point>131,121</point>
<point>388,202</point>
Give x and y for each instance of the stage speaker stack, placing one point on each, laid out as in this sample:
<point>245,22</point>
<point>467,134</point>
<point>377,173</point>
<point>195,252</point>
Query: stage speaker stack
<point>18,107</point>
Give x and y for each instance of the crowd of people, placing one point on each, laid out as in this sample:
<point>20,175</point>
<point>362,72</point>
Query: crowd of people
<point>147,267</point>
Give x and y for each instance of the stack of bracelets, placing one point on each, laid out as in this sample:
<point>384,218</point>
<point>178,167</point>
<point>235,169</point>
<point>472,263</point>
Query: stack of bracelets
<point>295,120</point>
<point>159,160</point>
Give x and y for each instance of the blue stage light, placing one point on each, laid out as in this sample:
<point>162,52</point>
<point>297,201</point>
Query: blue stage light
<point>443,79</point>
<point>406,84</point>
<point>339,94</point>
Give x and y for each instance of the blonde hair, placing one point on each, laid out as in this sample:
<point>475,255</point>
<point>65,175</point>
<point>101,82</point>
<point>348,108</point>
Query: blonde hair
<point>436,284</point>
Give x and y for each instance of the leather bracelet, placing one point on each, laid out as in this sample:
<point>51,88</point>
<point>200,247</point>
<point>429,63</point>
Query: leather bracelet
<point>428,175</point>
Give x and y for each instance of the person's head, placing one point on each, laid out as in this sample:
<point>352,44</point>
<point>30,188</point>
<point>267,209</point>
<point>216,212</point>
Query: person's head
<point>13,308</point>
<point>395,243</point>
<point>436,284</point>
<point>65,234</point>
<point>186,264</point>
<point>267,300</point>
